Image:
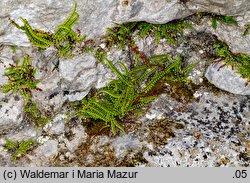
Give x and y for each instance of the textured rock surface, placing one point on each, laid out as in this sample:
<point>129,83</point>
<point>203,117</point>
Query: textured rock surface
<point>98,15</point>
<point>216,134</point>
<point>11,112</point>
<point>227,79</point>
<point>78,76</point>
<point>230,34</point>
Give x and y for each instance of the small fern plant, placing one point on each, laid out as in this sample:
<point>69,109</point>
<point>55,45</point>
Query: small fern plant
<point>240,61</point>
<point>169,31</point>
<point>19,149</point>
<point>21,78</point>
<point>223,19</point>
<point>131,91</point>
<point>63,38</point>
<point>120,35</point>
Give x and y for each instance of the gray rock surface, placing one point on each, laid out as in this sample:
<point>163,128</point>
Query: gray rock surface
<point>44,153</point>
<point>57,126</point>
<point>231,34</point>
<point>96,16</point>
<point>78,76</point>
<point>227,79</point>
<point>211,137</point>
<point>11,112</point>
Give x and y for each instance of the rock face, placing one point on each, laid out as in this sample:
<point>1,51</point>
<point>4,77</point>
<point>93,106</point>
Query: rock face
<point>96,16</point>
<point>211,130</point>
<point>227,79</point>
<point>11,112</point>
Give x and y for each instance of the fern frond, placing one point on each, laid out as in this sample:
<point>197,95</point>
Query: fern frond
<point>72,18</point>
<point>110,93</point>
<point>124,68</point>
<point>117,72</point>
<point>104,107</point>
<point>142,102</point>
<point>146,74</point>
<point>157,77</point>
<point>114,125</point>
<point>38,41</point>
<point>21,78</point>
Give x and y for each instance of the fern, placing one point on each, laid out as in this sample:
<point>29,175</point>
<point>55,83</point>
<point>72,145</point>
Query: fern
<point>239,61</point>
<point>117,72</point>
<point>243,66</point>
<point>155,79</point>
<point>38,38</point>
<point>19,149</point>
<point>127,93</point>
<point>21,78</point>
<point>63,38</point>
<point>64,33</point>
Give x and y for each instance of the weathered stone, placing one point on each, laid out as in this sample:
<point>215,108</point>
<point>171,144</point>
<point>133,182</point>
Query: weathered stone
<point>227,79</point>
<point>230,34</point>
<point>78,76</point>
<point>96,16</point>
<point>58,125</point>
<point>46,151</point>
<point>11,112</point>
<point>210,136</point>
<point>79,137</point>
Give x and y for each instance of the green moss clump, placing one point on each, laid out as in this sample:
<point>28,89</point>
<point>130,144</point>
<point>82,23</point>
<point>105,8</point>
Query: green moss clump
<point>34,113</point>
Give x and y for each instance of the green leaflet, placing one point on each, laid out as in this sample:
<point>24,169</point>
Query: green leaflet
<point>117,72</point>
<point>214,22</point>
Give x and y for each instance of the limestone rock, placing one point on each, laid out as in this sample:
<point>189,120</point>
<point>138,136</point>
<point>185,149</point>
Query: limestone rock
<point>227,79</point>
<point>11,112</point>
<point>49,149</point>
<point>96,16</point>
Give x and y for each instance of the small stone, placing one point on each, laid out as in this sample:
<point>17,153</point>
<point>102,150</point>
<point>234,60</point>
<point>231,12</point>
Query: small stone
<point>227,79</point>
<point>102,46</point>
<point>11,112</point>
<point>48,149</point>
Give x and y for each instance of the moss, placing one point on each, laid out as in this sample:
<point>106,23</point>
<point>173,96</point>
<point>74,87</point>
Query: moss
<point>159,131</point>
<point>247,29</point>
<point>35,115</point>
<point>13,48</point>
